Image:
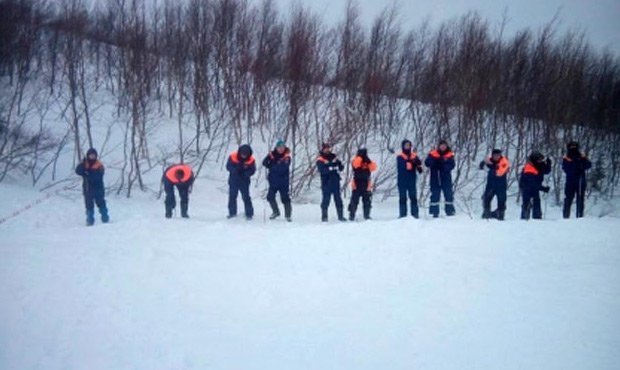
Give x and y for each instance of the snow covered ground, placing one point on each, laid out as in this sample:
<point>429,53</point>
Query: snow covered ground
<point>206,293</point>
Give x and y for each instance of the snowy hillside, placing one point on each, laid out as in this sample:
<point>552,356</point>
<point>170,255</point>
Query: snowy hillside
<point>148,293</point>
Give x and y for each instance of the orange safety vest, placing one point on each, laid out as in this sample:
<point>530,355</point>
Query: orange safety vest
<point>358,164</point>
<point>530,169</point>
<point>171,173</point>
<point>234,157</point>
<point>435,154</point>
<point>411,156</point>
<point>95,166</point>
<point>502,166</point>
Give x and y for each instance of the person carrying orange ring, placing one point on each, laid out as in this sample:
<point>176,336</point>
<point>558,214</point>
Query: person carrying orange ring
<point>180,176</point>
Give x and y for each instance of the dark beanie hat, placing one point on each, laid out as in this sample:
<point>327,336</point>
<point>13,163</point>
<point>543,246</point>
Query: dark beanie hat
<point>496,151</point>
<point>362,151</point>
<point>245,150</point>
<point>91,151</point>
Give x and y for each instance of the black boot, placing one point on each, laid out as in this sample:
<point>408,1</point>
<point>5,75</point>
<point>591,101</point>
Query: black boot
<point>366,212</point>
<point>168,212</point>
<point>90,217</point>
<point>288,211</point>
<point>275,211</point>
<point>526,211</point>
<point>486,214</point>
<point>579,212</point>
<point>184,207</point>
<point>324,214</point>
<point>566,209</point>
<point>352,211</point>
<point>340,212</point>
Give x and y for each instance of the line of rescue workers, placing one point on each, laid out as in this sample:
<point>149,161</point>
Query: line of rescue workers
<point>241,166</point>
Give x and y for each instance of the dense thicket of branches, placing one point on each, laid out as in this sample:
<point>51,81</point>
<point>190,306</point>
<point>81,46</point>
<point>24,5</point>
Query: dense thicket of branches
<point>230,71</point>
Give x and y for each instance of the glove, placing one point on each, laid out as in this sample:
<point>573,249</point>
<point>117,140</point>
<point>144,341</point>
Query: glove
<point>481,165</point>
<point>365,159</point>
<point>545,189</point>
<point>420,169</point>
<point>86,173</point>
<point>338,164</point>
<point>548,161</point>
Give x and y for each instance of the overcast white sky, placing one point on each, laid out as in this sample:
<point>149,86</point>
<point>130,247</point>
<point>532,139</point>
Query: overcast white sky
<point>599,18</point>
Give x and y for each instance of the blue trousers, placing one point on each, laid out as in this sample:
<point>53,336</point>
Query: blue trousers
<point>448,197</point>
<point>234,190</point>
<point>405,191</point>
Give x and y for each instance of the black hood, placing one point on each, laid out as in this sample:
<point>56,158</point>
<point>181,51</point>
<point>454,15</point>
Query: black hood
<point>89,152</point>
<point>245,151</point>
<point>448,149</point>
<point>402,145</point>
<point>92,151</point>
<point>572,150</point>
<point>535,157</point>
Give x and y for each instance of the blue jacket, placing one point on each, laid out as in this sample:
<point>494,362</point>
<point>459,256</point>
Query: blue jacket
<point>441,166</point>
<point>92,175</point>
<point>329,167</point>
<point>279,168</point>
<point>575,169</point>
<point>240,171</point>
<point>407,166</point>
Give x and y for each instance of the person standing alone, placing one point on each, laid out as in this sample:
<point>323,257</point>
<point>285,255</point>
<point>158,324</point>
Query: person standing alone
<point>92,171</point>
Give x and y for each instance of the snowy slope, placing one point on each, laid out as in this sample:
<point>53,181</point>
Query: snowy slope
<point>148,293</point>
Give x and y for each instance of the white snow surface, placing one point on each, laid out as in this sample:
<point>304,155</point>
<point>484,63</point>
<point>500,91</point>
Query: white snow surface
<point>144,292</point>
